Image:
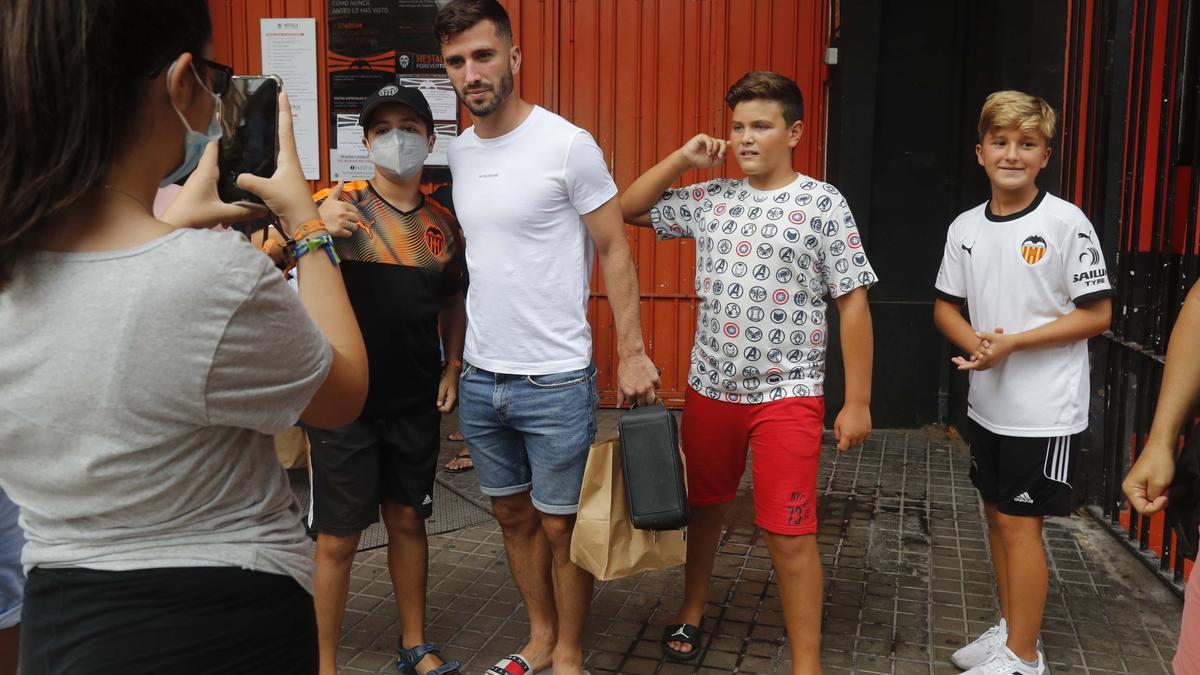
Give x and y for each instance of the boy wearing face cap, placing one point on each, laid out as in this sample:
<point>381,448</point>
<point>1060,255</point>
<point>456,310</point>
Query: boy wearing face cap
<point>402,261</point>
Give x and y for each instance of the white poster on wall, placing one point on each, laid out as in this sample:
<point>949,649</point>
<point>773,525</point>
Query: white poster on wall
<point>439,94</point>
<point>289,50</point>
<point>348,161</point>
<point>446,132</point>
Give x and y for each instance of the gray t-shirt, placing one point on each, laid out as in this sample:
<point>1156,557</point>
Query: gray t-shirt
<point>138,392</point>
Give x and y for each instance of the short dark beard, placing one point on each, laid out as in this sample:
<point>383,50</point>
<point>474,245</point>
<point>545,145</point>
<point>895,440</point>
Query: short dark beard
<point>501,95</point>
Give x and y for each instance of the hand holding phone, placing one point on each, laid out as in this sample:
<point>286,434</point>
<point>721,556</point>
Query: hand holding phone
<point>285,193</point>
<point>198,204</point>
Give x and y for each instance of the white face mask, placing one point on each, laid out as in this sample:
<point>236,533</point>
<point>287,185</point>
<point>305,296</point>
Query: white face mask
<point>399,155</point>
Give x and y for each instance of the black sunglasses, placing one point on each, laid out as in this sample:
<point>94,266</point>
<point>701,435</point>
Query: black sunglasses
<point>221,74</point>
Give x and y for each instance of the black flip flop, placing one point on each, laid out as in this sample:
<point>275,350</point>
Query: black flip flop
<point>685,633</point>
<point>462,455</point>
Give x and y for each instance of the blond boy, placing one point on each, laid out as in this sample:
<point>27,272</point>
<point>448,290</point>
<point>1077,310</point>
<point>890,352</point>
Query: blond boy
<point>1028,267</point>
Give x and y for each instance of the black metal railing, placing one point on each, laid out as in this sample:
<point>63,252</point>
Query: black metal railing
<point>1130,148</point>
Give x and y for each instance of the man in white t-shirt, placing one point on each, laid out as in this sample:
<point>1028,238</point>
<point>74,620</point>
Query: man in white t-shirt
<point>533,196</point>
<point>1029,268</point>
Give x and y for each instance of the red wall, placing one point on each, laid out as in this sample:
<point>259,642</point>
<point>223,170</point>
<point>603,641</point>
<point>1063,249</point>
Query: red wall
<point>642,77</point>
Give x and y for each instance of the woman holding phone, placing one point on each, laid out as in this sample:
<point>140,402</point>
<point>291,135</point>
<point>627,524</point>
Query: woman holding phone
<point>146,362</point>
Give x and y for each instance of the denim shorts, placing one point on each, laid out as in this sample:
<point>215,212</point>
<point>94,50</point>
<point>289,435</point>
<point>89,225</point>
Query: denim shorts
<point>12,576</point>
<point>529,433</point>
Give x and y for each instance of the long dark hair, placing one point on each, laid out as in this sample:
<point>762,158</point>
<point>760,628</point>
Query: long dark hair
<point>73,76</point>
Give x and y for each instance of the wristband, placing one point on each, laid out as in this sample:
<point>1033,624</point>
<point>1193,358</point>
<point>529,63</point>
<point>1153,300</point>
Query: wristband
<point>271,246</point>
<point>307,228</point>
<point>274,247</point>
<point>324,240</point>
<point>455,362</point>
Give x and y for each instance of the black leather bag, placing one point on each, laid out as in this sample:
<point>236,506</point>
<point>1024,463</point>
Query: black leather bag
<point>1183,497</point>
<point>655,484</point>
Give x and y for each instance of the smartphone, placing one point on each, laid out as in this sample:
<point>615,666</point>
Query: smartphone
<point>249,133</point>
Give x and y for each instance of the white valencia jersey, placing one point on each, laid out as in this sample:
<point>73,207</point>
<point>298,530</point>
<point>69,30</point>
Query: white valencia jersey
<point>1019,272</point>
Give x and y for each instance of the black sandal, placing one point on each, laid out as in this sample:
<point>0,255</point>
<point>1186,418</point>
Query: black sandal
<point>462,469</point>
<point>681,632</point>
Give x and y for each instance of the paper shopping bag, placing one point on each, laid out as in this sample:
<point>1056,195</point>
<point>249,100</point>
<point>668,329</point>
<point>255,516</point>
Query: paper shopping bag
<point>605,541</point>
<point>291,448</point>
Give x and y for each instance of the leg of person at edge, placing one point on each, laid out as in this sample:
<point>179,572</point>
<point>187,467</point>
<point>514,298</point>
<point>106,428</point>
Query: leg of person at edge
<point>402,262</point>
<point>1026,353</point>
<point>12,584</point>
<point>534,197</point>
<point>758,363</point>
<point>1148,479</point>
<point>167,520</point>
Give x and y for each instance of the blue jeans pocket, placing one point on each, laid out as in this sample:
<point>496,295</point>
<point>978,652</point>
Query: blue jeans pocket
<point>562,380</point>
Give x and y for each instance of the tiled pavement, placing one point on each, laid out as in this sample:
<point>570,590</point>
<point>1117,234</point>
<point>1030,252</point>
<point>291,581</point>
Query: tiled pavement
<point>907,579</point>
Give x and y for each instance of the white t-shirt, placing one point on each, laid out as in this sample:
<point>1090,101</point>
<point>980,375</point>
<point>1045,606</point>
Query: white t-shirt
<point>1018,272</point>
<point>519,198</point>
<point>765,261</point>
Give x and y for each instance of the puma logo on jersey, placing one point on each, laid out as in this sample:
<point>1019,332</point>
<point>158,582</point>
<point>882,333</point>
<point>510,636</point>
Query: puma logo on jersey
<point>1024,498</point>
<point>968,250</point>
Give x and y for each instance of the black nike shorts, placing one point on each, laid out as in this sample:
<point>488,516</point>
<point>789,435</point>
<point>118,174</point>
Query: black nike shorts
<point>1023,476</point>
<point>356,467</point>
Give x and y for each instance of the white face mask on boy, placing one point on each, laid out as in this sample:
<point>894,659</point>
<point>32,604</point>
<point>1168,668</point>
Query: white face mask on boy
<point>398,154</point>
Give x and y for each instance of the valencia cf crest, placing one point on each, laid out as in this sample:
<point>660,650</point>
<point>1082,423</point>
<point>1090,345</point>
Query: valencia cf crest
<point>435,241</point>
<point>1033,249</point>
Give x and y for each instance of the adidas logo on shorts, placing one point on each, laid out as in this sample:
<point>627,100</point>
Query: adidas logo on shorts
<point>1024,498</point>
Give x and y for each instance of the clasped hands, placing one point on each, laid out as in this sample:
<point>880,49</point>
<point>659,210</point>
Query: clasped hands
<point>991,349</point>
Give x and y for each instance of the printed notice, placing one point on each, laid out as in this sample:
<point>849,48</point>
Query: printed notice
<point>439,93</point>
<point>289,50</point>
<point>441,147</point>
<point>348,161</point>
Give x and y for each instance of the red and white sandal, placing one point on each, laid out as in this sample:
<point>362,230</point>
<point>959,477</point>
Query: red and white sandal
<point>515,664</point>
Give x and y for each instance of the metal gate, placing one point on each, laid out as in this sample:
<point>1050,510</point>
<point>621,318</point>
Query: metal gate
<point>1131,150</point>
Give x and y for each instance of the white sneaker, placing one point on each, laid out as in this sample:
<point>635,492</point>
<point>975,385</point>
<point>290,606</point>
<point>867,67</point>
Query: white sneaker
<point>983,648</point>
<point>1004,662</point>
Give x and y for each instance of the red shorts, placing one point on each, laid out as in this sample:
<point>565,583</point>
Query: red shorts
<point>786,436</point>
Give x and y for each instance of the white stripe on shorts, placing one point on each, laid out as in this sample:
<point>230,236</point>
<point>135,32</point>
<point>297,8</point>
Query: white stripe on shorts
<point>311,491</point>
<point>1058,458</point>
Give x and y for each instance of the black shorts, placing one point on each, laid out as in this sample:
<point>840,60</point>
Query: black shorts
<point>170,620</point>
<point>1023,476</point>
<point>356,467</point>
